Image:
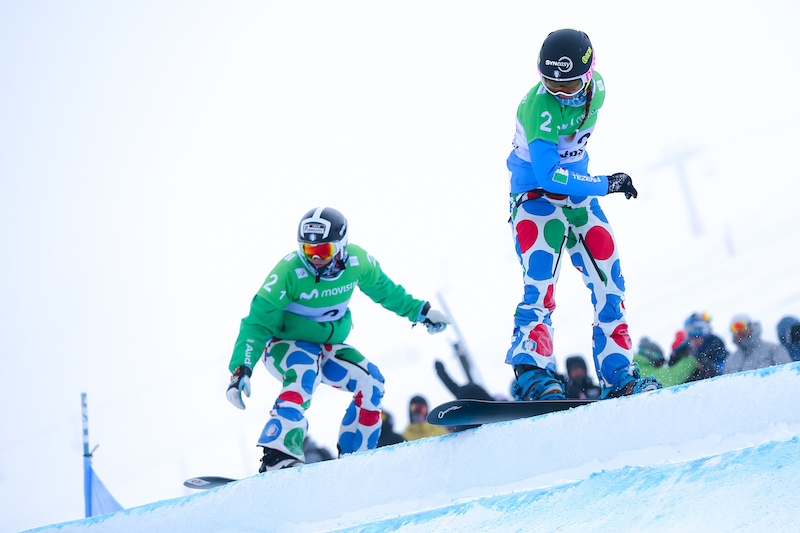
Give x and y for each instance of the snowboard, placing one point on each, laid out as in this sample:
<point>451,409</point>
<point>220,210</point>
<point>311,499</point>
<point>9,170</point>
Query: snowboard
<point>476,412</point>
<point>207,482</point>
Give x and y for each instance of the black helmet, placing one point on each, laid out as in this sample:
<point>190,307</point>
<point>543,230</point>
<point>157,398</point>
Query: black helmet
<point>320,226</point>
<point>566,56</point>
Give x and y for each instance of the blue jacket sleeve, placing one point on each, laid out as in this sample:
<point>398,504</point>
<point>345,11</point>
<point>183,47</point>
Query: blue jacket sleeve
<point>571,179</point>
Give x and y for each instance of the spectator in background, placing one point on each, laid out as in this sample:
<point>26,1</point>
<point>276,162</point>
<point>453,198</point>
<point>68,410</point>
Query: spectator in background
<point>468,391</point>
<point>650,358</point>
<point>789,336</point>
<point>753,352</point>
<point>315,453</point>
<point>418,426</point>
<point>707,347</point>
<point>579,385</point>
<point>388,434</point>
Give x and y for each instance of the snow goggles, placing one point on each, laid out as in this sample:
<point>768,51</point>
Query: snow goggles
<point>564,88</point>
<point>739,327</point>
<point>324,250</point>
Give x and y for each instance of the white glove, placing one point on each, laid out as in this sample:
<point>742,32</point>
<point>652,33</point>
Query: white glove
<point>240,382</point>
<point>434,320</point>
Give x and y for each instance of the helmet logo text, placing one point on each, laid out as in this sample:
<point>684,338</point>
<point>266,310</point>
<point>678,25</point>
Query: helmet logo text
<point>587,55</point>
<point>564,64</point>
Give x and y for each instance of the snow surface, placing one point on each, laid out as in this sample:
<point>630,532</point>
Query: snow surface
<point>716,455</point>
<point>156,156</point>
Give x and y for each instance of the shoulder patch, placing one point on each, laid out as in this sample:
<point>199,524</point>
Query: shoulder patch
<point>290,256</point>
<point>301,273</point>
<point>353,261</point>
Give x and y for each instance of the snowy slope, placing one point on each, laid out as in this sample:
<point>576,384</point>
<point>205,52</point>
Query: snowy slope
<point>715,455</point>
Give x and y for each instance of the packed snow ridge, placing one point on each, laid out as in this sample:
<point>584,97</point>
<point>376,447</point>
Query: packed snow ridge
<point>713,455</point>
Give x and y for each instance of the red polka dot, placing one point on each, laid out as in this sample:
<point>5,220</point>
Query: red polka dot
<point>621,336</point>
<point>527,232</point>
<point>368,418</point>
<point>291,396</point>
<point>544,343</point>
<point>549,300</point>
<point>600,243</point>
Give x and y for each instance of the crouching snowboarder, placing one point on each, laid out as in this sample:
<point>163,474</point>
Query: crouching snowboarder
<point>298,322</point>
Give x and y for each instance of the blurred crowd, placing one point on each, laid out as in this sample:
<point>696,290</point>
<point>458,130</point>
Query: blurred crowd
<point>696,353</point>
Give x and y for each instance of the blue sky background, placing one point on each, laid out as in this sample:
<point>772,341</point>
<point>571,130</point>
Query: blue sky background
<point>155,159</point>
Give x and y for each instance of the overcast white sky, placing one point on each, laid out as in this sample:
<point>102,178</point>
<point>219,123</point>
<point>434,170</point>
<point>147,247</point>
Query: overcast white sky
<point>155,158</point>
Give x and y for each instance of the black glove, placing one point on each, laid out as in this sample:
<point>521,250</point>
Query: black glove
<point>240,382</point>
<point>621,182</point>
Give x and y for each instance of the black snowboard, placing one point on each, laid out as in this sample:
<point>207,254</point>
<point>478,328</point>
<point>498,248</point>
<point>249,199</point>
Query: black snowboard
<point>207,482</point>
<point>474,412</point>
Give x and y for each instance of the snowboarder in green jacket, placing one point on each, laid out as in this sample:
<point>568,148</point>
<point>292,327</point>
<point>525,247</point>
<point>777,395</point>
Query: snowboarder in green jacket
<point>298,322</point>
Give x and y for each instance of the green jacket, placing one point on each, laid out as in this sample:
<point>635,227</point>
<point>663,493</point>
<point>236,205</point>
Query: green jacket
<point>292,305</point>
<point>667,375</point>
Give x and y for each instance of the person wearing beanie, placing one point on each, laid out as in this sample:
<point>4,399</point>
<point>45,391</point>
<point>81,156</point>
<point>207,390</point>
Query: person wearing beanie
<point>651,361</point>
<point>753,352</point>
<point>418,426</point>
<point>388,435</point>
<point>704,345</point>
<point>579,385</point>
<point>789,336</point>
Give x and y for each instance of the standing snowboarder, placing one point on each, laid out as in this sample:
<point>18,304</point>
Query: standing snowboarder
<point>301,315</point>
<point>554,210</point>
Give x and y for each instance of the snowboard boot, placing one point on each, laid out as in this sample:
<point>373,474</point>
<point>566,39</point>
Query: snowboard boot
<point>276,459</point>
<point>534,383</point>
<point>630,384</point>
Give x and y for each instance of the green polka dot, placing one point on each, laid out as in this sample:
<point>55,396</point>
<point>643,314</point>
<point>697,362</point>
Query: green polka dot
<point>554,234</point>
<point>576,217</point>
<point>294,441</point>
<point>278,352</point>
<point>350,355</point>
<point>572,240</point>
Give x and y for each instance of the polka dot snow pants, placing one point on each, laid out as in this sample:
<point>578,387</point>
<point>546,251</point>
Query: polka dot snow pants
<point>301,366</point>
<point>545,226</point>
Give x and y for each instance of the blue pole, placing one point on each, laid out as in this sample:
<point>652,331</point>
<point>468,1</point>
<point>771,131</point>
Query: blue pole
<point>87,459</point>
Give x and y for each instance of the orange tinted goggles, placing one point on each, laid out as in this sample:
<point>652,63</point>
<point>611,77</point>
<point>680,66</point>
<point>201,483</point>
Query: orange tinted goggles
<point>325,250</point>
<point>738,327</point>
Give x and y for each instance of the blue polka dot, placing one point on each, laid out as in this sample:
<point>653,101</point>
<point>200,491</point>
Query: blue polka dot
<point>372,441</point>
<point>375,373</point>
<point>358,439</point>
<point>538,207</point>
<point>597,211</point>
<point>346,442</point>
<point>599,340</point>
<point>614,367</point>
<point>289,413</point>
<point>271,432</point>
<point>540,265</point>
<point>350,414</point>
<point>377,396</point>
<point>616,276</point>
<point>577,199</point>
<point>531,294</point>
<point>310,347</point>
<point>308,380</point>
<point>351,385</point>
<point>333,370</point>
<point>298,358</point>
<point>612,311</point>
<point>577,262</point>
